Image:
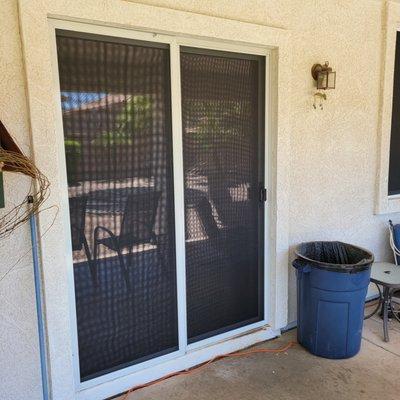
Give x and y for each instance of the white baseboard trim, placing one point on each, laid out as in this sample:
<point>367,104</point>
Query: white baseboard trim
<point>289,326</point>
<point>188,360</point>
<point>372,296</point>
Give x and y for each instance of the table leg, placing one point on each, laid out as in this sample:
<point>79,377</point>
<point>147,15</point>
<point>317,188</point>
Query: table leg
<point>385,311</point>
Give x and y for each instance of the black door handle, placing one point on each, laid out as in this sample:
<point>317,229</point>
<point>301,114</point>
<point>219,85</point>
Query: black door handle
<point>263,195</point>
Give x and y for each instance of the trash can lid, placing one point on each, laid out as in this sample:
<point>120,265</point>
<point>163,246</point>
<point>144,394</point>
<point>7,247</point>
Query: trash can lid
<point>335,256</point>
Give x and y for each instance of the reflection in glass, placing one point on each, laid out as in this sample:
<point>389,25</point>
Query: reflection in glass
<point>117,131</point>
<point>222,114</point>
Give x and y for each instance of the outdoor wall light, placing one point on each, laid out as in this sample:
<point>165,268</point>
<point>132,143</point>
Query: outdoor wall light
<point>325,77</point>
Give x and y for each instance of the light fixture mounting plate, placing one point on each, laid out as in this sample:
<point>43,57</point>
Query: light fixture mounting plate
<point>317,68</point>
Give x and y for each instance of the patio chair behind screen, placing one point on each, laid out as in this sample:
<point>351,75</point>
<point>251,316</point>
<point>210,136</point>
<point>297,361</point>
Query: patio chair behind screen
<point>77,213</point>
<point>137,227</point>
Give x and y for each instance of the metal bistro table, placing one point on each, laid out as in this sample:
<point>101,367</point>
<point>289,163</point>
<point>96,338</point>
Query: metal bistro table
<point>386,275</point>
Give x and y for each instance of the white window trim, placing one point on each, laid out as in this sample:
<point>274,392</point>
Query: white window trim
<point>37,29</point>
<point>386,204</point>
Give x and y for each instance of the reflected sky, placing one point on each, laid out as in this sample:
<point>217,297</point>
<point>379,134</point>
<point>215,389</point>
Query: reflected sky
<point>70,100</point>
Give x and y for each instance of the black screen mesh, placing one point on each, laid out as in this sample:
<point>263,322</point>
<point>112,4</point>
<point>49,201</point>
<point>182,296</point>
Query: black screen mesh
<point>222,113</point>
<point>116,113</point>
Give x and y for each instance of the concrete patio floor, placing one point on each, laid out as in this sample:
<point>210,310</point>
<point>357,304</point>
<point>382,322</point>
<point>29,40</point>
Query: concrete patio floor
<point>295,375</point>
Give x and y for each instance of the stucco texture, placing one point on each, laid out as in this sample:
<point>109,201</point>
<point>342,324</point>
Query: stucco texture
<point>19,358</point>
<point>333,157</point>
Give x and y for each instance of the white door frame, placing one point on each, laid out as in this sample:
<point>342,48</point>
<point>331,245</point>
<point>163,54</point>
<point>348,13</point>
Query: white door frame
<point>175,44</point>
<point>46,121</point>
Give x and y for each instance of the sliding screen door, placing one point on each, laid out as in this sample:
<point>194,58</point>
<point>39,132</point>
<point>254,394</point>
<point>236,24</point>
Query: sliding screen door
<point>116,111</point>
<point>223,136</point>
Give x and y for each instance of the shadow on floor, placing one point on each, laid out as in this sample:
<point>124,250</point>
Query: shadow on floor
<point>295,375</point>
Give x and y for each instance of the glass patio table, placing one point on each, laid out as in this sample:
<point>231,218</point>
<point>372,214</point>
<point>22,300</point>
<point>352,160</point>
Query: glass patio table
<point>386,275</point>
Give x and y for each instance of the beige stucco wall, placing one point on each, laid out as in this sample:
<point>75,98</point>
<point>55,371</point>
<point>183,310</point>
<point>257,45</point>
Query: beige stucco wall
<point>333,152</point>
<point>19,358</point>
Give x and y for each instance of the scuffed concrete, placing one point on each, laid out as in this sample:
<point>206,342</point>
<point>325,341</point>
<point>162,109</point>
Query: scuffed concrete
<point>295,375</point>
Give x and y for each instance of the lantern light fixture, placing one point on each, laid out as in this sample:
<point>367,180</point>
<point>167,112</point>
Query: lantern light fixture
<point>324,76</point>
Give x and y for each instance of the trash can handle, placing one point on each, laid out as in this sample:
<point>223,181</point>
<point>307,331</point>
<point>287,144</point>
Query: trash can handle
<point>301,266</point>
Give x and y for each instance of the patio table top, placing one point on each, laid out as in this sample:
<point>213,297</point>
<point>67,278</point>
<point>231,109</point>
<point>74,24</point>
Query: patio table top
<point>386,274</point>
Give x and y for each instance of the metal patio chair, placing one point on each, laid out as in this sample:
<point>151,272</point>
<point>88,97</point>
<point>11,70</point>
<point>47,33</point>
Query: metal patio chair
<point>392,241</point>
<point>77,213</point>
<point>395,295</point>
<point>137,227</point>
<point>387,275</point>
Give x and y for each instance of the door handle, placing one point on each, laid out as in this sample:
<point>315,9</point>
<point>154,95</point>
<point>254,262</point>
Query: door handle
<point>263,195</point>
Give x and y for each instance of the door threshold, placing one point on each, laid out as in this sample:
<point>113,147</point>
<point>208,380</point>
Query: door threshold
<point>189,360</point>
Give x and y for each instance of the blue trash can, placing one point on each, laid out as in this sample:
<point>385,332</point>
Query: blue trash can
<point>332,284</point>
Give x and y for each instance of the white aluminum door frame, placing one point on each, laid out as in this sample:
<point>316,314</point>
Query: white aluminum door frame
<point>234,48</point>
<point>200,351</point>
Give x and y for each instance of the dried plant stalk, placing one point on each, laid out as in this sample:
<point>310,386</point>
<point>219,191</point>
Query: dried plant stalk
<point>39,190</point>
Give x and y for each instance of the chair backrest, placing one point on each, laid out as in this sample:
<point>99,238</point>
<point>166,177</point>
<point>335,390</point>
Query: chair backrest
<point>139,215</point>
<point>394,240</point>
<point>77,213</point>
<point>205,212</point>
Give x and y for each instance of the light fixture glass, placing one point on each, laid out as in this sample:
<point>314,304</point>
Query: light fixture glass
<point>322,80</point>
<point>325,77</point>
<point>331,84</point>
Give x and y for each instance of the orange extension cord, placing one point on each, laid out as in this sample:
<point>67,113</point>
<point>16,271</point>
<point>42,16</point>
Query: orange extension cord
<point>201,366</point>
